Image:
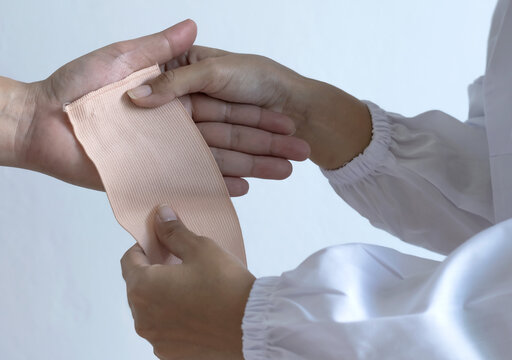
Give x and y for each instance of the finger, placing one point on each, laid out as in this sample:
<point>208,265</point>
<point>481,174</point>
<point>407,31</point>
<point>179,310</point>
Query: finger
<point>133,259</point>
<point>198,53</point>
<point>195,54</point>
<point>207,109</point>
<point>194,78</point>
<point>237,164</point>
<point>156,48</point>
<point>236,186</point>
<point>253,141</point>
<point>173,234</point>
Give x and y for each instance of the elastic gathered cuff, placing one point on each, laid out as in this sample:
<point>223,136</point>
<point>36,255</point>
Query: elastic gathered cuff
<point>367,162</point>
<point>255,324</point>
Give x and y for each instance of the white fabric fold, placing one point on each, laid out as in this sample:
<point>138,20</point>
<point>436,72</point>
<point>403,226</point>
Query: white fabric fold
<point>360,301</point>
<point>424,179</point>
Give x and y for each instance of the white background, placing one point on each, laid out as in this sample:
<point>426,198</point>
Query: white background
<point>61,291</point>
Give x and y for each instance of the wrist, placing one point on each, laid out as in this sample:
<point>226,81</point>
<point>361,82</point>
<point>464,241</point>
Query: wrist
<point>336,125</point>
<point>17,107</point>
<point>234,335</point>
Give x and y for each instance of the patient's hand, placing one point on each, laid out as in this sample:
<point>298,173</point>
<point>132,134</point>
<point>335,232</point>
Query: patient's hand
<point>256,146</point>
<point>193,310</point>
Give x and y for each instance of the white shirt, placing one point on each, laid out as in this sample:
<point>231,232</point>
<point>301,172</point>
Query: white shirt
<point>430,180</point>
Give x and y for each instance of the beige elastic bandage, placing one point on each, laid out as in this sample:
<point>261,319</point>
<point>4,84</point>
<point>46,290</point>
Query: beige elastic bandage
<point>147,157</point>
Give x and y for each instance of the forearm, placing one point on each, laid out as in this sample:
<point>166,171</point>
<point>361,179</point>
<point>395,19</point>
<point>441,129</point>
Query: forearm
<point>336,125</point>
<point>16,103</point>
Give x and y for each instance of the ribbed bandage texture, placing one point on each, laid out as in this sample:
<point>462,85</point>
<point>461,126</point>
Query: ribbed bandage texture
<point>147,157</point>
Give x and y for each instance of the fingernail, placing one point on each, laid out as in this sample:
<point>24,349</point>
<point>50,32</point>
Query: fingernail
<point>140,92</point>
<point>166,214</point>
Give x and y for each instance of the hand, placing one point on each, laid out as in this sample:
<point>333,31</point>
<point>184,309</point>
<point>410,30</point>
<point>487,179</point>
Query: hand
<point>46,142</point>
<point>193,310</point>
<point>336,125</point>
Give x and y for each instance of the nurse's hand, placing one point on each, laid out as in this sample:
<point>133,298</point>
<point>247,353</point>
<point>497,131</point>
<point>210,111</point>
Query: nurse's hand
<point>336,125</point>
<point>193,310</point>
<point>246,140</point>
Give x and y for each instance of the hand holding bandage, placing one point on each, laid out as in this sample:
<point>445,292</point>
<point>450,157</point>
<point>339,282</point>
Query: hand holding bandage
<point>193,310</point>
<point>245,140</point>
<point>45,141</point>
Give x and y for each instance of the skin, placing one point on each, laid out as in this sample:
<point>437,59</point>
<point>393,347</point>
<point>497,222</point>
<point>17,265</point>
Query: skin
<point>246,106</point>
<point>337,127</point>
<point>35,133</point>
<point>203,299</point>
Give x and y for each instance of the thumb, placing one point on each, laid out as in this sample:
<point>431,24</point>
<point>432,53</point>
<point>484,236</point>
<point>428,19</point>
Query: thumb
<point>173,234</point>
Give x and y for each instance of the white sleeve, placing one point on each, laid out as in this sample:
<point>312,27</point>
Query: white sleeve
<point>424,179</point>
<point>369,302</point>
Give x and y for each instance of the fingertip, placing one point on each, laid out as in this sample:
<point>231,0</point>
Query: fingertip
<point>138,102</point>
<point>187,23</point>
<point>244,187</point>
<point>151,101</point>
<point>236,186</point>
<point>165,214</point>
<point>278,123</point>
<point>165,219</point>
<point>289,127</point>
<point>181,36</point>
<point>303,150</point>
<point>140,92</point>
<point>280,170</point>
<point>290,148</point>
<point>283,125</point>
<point>173,234</point>
<point>192,22</point>
<point>286,169</point>
<point>143,96</point>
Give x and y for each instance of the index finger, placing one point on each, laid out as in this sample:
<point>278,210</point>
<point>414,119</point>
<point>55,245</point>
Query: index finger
<point>133,259</point>
<point>195,54</point>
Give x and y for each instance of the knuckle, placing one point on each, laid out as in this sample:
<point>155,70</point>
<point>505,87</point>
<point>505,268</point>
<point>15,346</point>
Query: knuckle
<point>172,230</point>
<point>235,137</point>
<point>193,55</point>
<point>203,241</point>
<point>165,83</point>
<point>209,62</point>
<point>120,46</point>
<point>213,67</point>
<point>135,297</point>
<point>124,258</point>
<point>162,354</point>
<point>117,49</point>
<point>168,76</point>
<point>143,329</point>
<point>182,237</point>
<point>123,57</point>
<point>137,288</point>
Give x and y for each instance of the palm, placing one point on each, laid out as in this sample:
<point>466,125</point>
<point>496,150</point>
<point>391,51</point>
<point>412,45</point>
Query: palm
<point>52,148</point>
<point>52,144</point>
